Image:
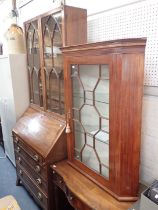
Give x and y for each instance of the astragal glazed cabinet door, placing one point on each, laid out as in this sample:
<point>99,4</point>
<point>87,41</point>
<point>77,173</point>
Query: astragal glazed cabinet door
<point>90,109</point>
<point>45,35</point>
<point>104,83</point>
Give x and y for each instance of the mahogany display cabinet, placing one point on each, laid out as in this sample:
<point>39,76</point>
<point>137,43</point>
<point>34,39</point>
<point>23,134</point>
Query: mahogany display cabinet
<point>104,88</point>
<point>45,35</point>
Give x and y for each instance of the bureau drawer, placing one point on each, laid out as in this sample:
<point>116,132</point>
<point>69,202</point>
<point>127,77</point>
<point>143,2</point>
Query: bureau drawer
<point>30,164</point>
<point>58,180</point>
<point>73,200</point>
<point>76,202</point>
<point>32,174</point>
<point>38,195</point>
<point>18,143</point>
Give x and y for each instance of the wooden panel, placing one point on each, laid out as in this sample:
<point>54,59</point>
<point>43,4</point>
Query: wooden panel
<point>126,88</point>
<point>72,199</point>
<point>27,152</point>
<point>40,139</point>
<point>85,191</point>
<point>32,167</point>
<point>73,31</point>
<point>114,46</point>
<point>129,110</point>
<point>37,194</point>
<point>40,182</point>
<point>74,26</point>
<point>39,131</point>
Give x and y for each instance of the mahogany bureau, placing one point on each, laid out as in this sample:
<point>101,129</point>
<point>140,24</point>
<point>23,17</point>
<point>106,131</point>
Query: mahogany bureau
<point>39,140</point>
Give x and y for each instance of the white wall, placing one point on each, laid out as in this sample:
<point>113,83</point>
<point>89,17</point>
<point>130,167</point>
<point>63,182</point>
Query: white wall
<point>149,144</point>
<point>95,6</point>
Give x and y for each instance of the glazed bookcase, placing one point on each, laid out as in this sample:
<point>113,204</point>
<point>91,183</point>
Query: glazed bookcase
<point>104,87</point>
<point>45,35</point>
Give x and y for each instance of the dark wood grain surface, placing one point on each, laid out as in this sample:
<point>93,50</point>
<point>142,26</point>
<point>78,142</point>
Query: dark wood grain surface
<point>39,131</point>
<point>39,140</point>
<point>125,59</point>
<point>85,191</point>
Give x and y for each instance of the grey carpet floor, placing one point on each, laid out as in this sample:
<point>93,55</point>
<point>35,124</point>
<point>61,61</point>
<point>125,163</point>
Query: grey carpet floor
<point>8,186</point>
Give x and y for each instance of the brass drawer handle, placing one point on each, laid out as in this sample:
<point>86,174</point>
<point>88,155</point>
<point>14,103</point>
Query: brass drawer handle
<point>39,196</point>
<point>36,158</point>
<point>16,140</point>
<point>21,172</point>
<point>60,181</point>
<point>37,168</point>
<point>19,159</point>
<point>39,181</point>
<point>70,198</point>
<point>18,149</point>
<point>69,195</point>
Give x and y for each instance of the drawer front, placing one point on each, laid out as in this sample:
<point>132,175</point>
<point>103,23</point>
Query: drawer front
<point>30,164</point>
<point>32,154</point>
<point>73,200</point>
<point>38,195</point>
<point>32,174</point>
<point>58,180</point>
<point>76,203</point>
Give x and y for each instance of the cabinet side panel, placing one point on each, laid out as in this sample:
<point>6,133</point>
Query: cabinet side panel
<point>20,86</point>
<point>74,26</point>
<point>129,105</point>
<point>7,105</point>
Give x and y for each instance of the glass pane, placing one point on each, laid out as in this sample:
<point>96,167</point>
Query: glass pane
<point>102,136</point>
<point>102,91</point>
<point>89,97</point>
<point>78,127</point>
<point>104,72</point>
<point>53,62</point>
<point>90,92</point>
<point>102,108</point>
<point>89,75</point>
<point>90,119</point>
<point>29,38</point>
<point>90,159</point>
<point>79,139</point>
<point>58,18</point>
<point>32,40</point>
<point>47,49</point>
<point>105,172</point>
<point>102,151</point>
<point>105,124</point>
<point>36,90</point>
<point>76,114</point>
<point>89,140</point>
<point>36,51</point>
<point>35,44</point>
<point>78,93</point>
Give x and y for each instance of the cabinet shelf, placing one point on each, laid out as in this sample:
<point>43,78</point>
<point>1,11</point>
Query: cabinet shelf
<point>102,136</point>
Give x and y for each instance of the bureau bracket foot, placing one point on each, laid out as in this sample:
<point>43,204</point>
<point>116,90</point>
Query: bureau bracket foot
<point>18,182</point>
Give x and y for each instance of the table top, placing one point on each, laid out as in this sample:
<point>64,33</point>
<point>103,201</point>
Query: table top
<point>86,190</point>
